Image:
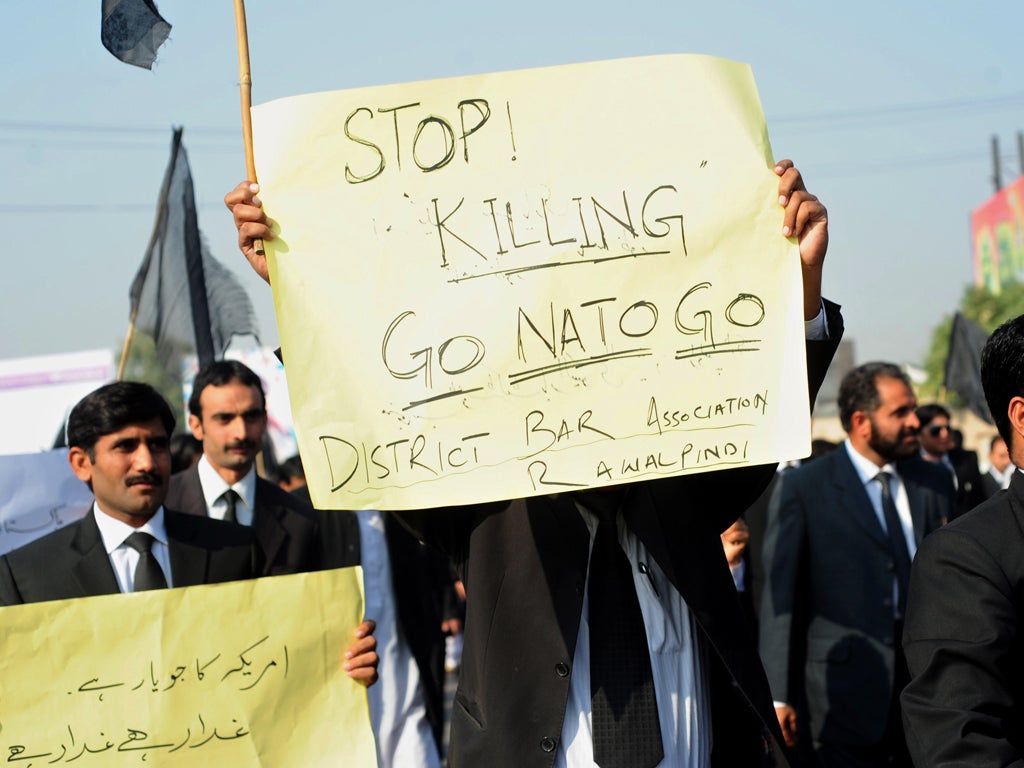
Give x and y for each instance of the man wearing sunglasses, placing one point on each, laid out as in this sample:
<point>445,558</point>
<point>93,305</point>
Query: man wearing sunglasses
<point>937,445</point>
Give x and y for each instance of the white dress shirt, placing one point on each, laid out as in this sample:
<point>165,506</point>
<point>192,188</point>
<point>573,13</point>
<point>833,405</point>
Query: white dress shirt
<point>679,681</point>
<point>214,485</point>
<point>398,712</point>
<point>123,558</point>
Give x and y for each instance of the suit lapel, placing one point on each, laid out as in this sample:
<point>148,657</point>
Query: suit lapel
<point>188,561</point>
<point>186,494</point>
<point>853,497</point>
<point>917,497</point>
<point>92,570</point>
<point>562,545</point>
<point>269,531</point>
<point>648,528</point>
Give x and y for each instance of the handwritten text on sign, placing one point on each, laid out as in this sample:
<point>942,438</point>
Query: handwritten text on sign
<point>212,675</point>
<point>515,284</point>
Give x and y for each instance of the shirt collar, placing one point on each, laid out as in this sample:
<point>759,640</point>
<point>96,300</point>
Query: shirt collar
<point>866,469</point>
<point>214,485</point>
<point>114,532</point>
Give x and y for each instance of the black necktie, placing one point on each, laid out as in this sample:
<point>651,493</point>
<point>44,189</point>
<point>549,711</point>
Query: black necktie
<point>624,709</point>
<point>148,573</point>
<point>897,541</point>
<point>231,498</point>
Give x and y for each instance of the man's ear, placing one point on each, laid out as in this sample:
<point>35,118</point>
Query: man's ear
<point>1015,411</point>
<point>860,424</point>
<point>80,463</point>
<point>196,426</point>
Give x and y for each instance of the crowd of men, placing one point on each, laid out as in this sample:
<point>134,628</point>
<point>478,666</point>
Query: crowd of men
<point>858,608</point>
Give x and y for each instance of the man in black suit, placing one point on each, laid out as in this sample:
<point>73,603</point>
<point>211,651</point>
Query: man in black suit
<point>227,412</point>
<point>964,636</point>
<point>524,695</point>
<point>118,438</point>
<point>938,445</point>
<point>842,531</point>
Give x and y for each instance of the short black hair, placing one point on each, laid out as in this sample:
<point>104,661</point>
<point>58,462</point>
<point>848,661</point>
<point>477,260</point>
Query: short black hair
<point>113,407</point>
<point>291,468</point>
<point>218,374</point>
<point>185,449</point>
<point>858,390</point>
<point>1002,372</point>
<point>926,413</point>
<point>994,442</point>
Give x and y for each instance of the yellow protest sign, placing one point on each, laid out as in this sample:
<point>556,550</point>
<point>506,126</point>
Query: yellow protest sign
<point>246,674</point>
<point>522,283</point>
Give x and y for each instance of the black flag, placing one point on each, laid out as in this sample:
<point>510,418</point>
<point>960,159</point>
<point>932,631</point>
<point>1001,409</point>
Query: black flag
<point>132,30</point>
<point>963,365</point>
<point>182,296</point>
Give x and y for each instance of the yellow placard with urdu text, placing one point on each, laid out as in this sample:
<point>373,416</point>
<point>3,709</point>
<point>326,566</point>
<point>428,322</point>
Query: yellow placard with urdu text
<point>522,283</point>
<point>246,674</point>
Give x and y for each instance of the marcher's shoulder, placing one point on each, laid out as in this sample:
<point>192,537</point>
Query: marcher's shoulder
<point>30,554</point>
<point>985,543</point>
<point>274,495</point>
<point>207,530</point>
<point>927,473</point>
<point>812,473</point>
<point>994,525</point>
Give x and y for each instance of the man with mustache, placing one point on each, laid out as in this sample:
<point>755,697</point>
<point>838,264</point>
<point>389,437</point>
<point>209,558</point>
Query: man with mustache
<point>119,445</point>
<point>118,438</point>
<point>842,531</point>
<point>227,412</point>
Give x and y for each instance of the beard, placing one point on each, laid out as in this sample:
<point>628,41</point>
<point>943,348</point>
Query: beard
<point>902,445</point>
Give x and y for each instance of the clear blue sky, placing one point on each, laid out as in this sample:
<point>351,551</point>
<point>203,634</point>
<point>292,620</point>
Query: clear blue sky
<point>888,108</point>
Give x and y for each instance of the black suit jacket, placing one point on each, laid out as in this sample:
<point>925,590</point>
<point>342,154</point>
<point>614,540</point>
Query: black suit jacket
<point>827,624</point>
<point>524,565</point>
<point>970,491</point>
<point>990,486</point>
<point>964,639</point>
<point>72,561</point>
<point>286,529</point>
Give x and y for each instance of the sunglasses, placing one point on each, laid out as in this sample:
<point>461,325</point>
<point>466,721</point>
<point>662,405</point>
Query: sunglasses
<point>937,429</point>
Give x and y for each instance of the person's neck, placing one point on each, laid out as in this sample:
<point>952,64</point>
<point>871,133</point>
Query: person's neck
<point>229,475</point>
<point>135,521</point>
<point>868,452</point>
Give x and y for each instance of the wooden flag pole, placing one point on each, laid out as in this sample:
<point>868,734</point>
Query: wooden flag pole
<point>127,344</point>
<point>245,88</point>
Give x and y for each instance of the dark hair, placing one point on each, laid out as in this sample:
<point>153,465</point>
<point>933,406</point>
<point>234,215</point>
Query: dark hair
<point>927,413</point>
<point>995,440</point>
<point>858,390</point>
<point>185,449</point>
<point>218,374</point>
<point>1002,372</point>
<point>290,468</point>
<point>113,407</point>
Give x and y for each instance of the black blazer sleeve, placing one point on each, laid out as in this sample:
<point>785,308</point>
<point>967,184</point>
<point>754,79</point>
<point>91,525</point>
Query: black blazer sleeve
<point>965,703</point>
<point>9,594</point>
